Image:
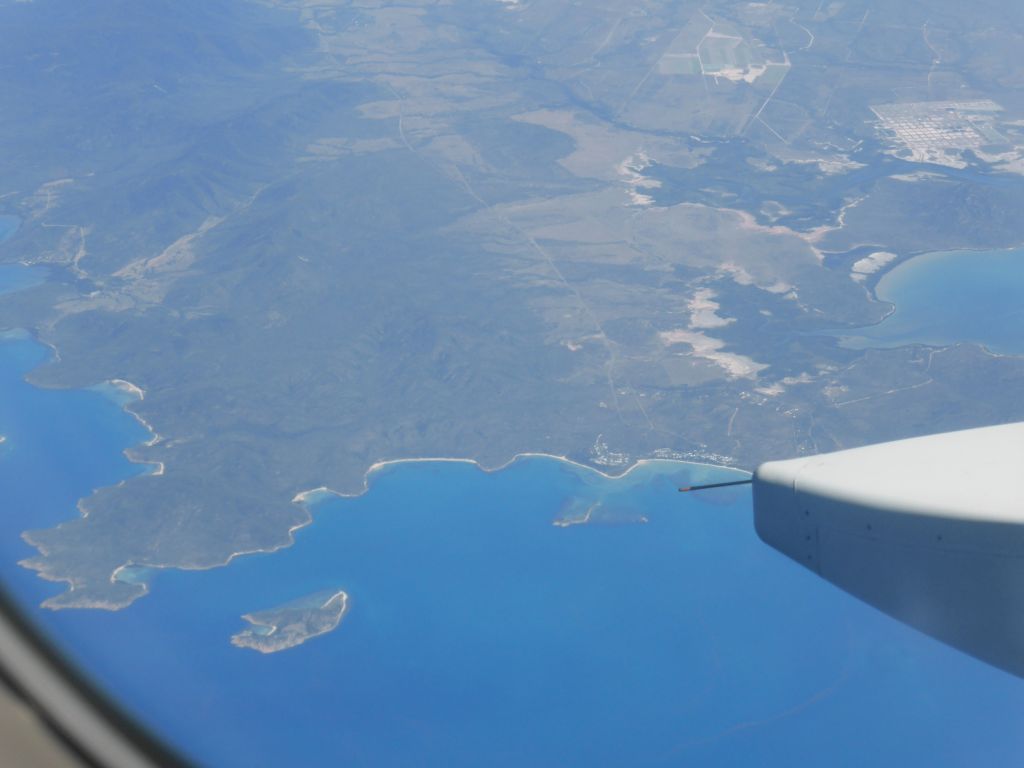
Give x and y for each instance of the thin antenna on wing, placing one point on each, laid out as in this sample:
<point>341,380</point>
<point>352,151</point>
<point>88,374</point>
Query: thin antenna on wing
<point>715,485</point>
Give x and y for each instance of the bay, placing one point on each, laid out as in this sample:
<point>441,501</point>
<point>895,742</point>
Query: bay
<point>949,297</point>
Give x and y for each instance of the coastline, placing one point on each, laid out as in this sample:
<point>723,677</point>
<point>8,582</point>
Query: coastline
<point>125,393</point>
<point>901,268</point>
<point>303,498</point>
<point>244,638</point>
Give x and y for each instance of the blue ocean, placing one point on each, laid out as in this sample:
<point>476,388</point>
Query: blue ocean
<point>948,297</point>
<point>9,224</point>
<point>481,634</point>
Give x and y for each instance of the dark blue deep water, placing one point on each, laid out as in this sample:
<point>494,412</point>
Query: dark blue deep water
<point>480,634</point>
<point>951,296</point>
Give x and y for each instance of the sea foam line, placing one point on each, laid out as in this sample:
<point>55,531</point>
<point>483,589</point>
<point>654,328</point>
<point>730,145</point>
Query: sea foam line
<point>303,496</point>
<point>138,394</point>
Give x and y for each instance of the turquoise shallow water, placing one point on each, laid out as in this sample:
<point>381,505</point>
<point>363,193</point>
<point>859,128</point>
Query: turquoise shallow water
<point>951,296</point>
<point>481,634</point>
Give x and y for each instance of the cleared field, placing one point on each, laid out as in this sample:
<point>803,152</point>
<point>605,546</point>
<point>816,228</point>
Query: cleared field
<point>722,53</point>
<point>679,64</point>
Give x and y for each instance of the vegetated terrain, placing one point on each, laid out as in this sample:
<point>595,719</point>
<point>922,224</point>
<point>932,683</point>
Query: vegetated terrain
<point>317,236</point>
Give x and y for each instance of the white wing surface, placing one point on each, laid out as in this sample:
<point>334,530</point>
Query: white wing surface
<point>929,530</point>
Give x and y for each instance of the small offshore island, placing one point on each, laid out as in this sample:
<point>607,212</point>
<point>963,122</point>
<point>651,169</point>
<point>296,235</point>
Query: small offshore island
<point>292,624</point>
